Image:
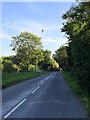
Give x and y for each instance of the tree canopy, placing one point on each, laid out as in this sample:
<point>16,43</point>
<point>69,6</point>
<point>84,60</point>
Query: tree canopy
<point>30,55</point>
<point>28,48</point>
<point>77,29</point>
<point>61,56</point>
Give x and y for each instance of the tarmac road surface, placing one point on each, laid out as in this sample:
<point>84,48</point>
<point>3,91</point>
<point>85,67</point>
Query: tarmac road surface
<point>47,96</point>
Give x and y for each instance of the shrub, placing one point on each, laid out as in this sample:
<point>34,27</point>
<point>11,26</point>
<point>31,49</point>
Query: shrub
<point>8,66</point>
<point>31,67</point>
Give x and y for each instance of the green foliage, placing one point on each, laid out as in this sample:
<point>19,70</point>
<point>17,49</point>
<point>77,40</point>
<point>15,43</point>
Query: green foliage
<point>80,93</point>
<point>48,63</point>
<point>1,66</point>
<point>77,29</point>
<point>9,79</point>
<point>61,56</point>
<point>8,66</point>
<point>45,63</point>
<point>32,67</point>
<point>30,55</point>
<point>28,48</point>
<point>17,67</point>
<point>54,65</point>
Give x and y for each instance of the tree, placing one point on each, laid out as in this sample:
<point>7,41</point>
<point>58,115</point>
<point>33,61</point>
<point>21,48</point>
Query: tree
<point>61,56</point>
<point>77,29</point>
<point>54,65</point>
<point>45,63</point>
<point>28,49</point>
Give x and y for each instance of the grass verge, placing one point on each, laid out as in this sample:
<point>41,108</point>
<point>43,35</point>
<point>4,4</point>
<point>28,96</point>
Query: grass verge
<point>9,79</point>
<point>80,93</point>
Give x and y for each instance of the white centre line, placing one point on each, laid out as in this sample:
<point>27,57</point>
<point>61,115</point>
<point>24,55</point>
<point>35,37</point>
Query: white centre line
<point>14,108</point>
<point>35,90</point>
<point>8,114</point>
<point>42,83</point>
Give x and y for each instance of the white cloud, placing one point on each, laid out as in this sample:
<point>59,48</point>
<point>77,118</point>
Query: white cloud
<point>31,26</point>
<point>55,41</point>
<point>5,37</point>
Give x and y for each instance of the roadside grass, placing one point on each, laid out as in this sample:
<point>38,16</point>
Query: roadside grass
<point>80,93</point>
<point>9,79</point>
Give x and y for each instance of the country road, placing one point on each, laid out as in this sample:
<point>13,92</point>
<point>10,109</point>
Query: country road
<point>47,96</point>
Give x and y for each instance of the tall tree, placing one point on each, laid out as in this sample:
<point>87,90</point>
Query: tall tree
<point>77,28</point>
<point>28,48</point>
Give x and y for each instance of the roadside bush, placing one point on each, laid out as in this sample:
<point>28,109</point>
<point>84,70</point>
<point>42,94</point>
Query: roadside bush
<point>8,66</point>
<point>32,67</point>
<point>1,66</point>
<point>17,68</point>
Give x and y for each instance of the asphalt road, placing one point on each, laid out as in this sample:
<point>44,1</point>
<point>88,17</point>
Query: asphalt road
<point>47,96</point>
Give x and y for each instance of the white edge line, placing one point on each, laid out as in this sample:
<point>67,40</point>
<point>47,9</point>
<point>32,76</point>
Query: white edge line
<point>35,90</point>
<point>14,108</point>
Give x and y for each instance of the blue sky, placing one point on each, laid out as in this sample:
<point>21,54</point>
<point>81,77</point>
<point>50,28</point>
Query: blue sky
<point>33,17</point>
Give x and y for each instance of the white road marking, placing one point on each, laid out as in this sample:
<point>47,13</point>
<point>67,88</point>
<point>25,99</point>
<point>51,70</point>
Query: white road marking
<point>45,79</point>
<point>35,90</point>
<point>14,108</point>
<point>42,83</point>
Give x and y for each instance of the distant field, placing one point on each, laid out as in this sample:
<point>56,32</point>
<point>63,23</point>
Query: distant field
<point>80,93</point>
<point>9,79</point>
